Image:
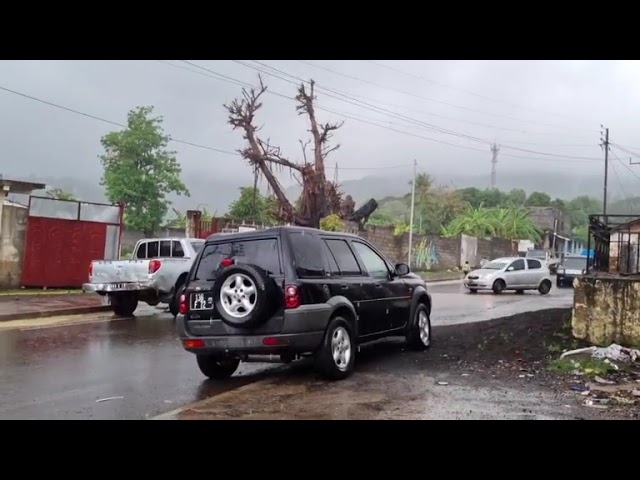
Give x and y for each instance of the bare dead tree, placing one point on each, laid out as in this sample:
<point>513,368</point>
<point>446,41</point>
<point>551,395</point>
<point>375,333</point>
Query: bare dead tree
<point>319,197</point>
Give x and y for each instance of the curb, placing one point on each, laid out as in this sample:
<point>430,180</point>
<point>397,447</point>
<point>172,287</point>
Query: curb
<point>54,313</point>
<point>443,279</point>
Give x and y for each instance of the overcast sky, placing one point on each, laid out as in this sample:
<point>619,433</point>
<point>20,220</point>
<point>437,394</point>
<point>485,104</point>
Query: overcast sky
<point>396,108</point>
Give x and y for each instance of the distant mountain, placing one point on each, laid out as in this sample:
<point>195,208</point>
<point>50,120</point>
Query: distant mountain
<point>216,195</point>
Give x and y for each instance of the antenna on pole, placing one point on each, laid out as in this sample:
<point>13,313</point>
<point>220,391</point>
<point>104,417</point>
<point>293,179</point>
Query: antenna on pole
<point>494,162</point>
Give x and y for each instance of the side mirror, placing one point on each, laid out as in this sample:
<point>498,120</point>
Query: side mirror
<point>510,269</point>
<point>402,269</point>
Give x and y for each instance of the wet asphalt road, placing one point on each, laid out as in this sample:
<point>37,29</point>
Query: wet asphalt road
<point>136,369</point>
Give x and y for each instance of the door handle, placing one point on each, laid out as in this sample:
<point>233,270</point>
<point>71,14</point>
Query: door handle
<point>344,287</point>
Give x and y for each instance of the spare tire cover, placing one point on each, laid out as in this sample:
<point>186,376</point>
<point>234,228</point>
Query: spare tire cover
<point>243,295</point>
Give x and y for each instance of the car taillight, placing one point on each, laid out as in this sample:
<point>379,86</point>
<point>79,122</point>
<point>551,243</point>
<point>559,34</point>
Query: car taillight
<point>227,262</point>
<point>291,296</point>
<point>154,266</point>
<point>91,269</point>
<point>183,304</point>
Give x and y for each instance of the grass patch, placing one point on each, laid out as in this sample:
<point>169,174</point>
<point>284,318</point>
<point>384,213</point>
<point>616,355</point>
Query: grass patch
<point>589,366</point>
<point>444,275</point>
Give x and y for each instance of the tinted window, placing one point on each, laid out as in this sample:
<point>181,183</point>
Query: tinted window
<point>262,253</point>
<point>142,251</point>
<point>165,248</point>
<point>152,249</point>
<point>344,257</point>
<point>533,264</point>
<point>178,251</point>
<point>333,266</point>
<point>306,253</point>
<point>375,265</point>
<point>518,265</point>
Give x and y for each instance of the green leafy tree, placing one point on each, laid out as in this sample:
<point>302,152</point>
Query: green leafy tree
<point>140,171</point>
<point>331,223</point>
<point>252,205</point>
<point>516,197</point>
<point>511,223</point>
<point>59,194</point>
<point>538,199</point>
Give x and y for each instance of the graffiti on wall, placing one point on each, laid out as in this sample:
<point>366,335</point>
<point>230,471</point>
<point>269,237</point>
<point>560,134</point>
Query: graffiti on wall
<point>425,255</point>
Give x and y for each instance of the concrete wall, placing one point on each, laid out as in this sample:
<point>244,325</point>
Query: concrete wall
<point>607,310</point>
<point>12,241</point>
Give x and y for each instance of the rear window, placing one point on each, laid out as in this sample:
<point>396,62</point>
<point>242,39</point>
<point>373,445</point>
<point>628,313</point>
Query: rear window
<point>262,253</point>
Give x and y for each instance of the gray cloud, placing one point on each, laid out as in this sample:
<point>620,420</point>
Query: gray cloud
<point>559,103</point>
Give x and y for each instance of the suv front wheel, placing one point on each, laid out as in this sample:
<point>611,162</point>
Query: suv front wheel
<point>419,334</point>
<point>336,358</point>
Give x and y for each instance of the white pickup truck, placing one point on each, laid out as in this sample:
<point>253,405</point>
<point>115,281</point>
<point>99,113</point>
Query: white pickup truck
<point>155,274</point>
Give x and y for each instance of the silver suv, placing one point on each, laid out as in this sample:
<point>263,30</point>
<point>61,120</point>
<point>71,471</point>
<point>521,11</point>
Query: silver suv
<point>510,273</point>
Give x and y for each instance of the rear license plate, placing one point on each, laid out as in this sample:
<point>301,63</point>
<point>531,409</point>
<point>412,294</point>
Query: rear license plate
<point>471,284</point>
<point>119,286</point>
<point>201,301</point>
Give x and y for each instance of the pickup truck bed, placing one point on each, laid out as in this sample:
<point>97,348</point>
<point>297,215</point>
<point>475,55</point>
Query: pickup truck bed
<point>154,276</point>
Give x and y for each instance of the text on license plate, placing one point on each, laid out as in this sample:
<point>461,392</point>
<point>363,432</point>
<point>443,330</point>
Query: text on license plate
<point>201,301</point>
<point>119,286</point>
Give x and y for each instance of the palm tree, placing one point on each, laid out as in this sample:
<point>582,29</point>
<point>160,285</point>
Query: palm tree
<point>511,223</point>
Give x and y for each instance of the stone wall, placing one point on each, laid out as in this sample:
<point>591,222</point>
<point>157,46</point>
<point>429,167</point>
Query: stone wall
<point>12,241</point>
<point>606,309</point>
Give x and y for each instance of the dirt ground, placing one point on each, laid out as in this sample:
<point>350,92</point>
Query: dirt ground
<point>500,369</point>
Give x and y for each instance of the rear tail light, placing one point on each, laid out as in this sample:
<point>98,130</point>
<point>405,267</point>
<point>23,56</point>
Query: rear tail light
<point>154,266</point>
<point>291,296</point>
<point>227,262</point>
<point>183,304</point>
<point>197,343</point>
<point>91,269</point>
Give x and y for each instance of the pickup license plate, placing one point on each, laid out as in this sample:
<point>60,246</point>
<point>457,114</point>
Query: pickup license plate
<point>201,301</point>
<point>119,286</point>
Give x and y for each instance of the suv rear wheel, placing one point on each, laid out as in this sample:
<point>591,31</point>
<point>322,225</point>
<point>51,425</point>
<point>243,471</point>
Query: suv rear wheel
<point>336,358</point>
<point>217,368</point>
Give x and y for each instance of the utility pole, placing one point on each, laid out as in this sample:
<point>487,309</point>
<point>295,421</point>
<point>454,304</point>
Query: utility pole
<point>413,202</point>
<point>494,161</point>
<point>605,145</point>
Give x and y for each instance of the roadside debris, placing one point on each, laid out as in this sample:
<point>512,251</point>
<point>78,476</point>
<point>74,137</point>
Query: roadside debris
<point>109,398</point>
<point>613,352</point>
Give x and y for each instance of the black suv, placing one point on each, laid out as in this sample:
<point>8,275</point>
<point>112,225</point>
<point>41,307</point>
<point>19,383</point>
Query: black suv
<point>293,292</point>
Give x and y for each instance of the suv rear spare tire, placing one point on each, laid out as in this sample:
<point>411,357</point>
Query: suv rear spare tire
<point>244,295</point>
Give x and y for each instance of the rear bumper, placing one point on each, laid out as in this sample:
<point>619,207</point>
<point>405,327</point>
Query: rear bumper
<point>116,287</point>
<point>302,332</point>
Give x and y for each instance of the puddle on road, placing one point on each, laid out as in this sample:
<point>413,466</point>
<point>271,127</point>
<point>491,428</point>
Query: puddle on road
<point>375,396</point>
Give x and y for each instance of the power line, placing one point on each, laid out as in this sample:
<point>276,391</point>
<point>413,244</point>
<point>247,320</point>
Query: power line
<point>397,70</point>
<point>104,120</point>
<point>386,112</point>
<point>422,97</point>
<point>575,159</point>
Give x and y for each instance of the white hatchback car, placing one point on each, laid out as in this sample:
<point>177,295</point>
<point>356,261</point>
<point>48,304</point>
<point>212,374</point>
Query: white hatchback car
<point>510,273</point>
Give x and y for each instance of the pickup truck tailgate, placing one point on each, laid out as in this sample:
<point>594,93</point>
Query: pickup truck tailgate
<point>119,271</point>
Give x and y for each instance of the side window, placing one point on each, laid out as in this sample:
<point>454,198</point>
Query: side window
<point>344,257</point>
<point>533,264</point>
<point>165,248</point>
<point>375,265</point>
<point>333,265</point>
<point>142,251</point>
<point>152,249</point>
<point>306,248</point>
<point>518,265</point>
<point>178,251</point>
